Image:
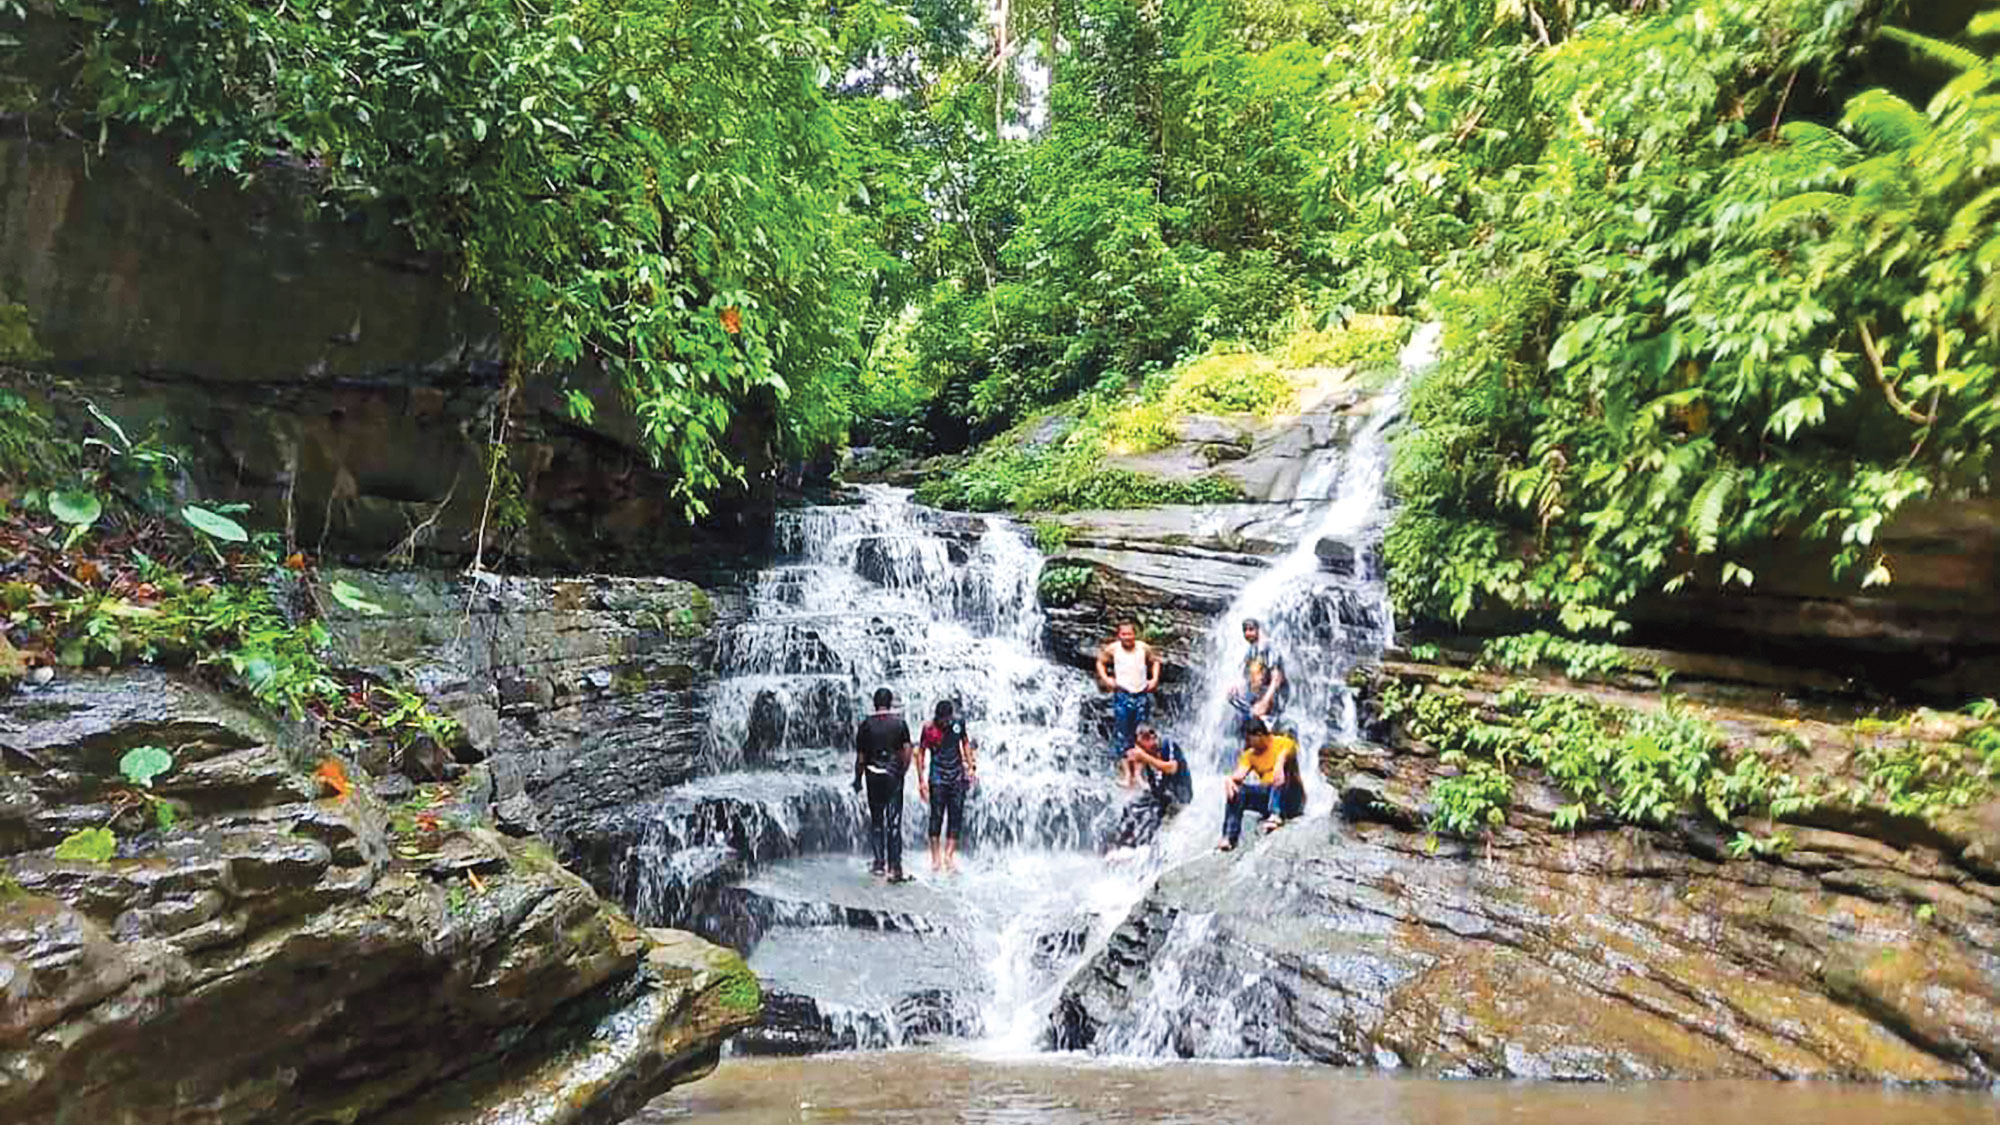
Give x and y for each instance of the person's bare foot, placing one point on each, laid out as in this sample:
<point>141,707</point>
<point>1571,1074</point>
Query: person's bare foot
<point>1225,846</point>
<point>1272,823</point>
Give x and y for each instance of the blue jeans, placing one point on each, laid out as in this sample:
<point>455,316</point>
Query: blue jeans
<point>1128,710</point>
<point>1251,796</point>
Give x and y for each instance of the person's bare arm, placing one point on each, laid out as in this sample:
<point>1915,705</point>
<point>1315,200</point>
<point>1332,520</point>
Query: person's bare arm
<point>1104,679</point>
<point>1152,669</point>
<point>1277,680</point>
<point>1164,765</point>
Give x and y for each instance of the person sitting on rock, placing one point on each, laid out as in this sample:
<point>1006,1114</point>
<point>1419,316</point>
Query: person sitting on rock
<point>1260,694</point>
<point>1258,783</point>
<point>1169,787</point>
<point>953,770</point>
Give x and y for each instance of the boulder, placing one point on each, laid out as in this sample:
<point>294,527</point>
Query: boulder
<point>1864,950</point>
<point>286,953</point>
<point>586,692</point>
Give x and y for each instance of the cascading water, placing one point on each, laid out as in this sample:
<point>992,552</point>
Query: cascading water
<point>1322,606</point>
<point>766,853</point>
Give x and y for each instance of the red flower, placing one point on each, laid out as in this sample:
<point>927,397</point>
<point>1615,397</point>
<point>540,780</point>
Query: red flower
<point>732,320</point>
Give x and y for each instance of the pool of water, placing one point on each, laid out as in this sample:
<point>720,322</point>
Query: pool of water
<point>938,1086</point>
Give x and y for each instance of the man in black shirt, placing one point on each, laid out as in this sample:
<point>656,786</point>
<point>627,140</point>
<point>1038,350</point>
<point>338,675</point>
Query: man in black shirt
<point>881,755</point>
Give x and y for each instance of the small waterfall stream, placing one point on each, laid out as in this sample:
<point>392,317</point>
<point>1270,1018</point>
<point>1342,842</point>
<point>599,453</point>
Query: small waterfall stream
<point>767,852</point>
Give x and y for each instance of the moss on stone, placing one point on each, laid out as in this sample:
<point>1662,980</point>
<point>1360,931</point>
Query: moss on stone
<point>17,336</point>
<point>739,989</point>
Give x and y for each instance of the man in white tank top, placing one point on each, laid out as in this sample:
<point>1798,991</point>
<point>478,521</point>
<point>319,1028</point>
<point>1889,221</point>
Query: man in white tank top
<point>1129,669</point>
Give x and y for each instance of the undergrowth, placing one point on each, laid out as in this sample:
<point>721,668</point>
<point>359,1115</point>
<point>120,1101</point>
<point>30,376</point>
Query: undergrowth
<point>1022,471</point>
<point>1614,763</point>
<point>101,566</point>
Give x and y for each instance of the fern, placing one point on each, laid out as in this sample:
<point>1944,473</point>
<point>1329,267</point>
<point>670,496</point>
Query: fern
<point>1710,502</point>
<point>1962,59</point>
<point>1885,120</point>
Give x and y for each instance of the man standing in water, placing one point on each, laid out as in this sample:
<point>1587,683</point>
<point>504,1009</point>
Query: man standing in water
<point>881,755</point>
<point>1257,785</point>
<point>1130,670</point>
<point>953,768</point>
<point>1260,694</point>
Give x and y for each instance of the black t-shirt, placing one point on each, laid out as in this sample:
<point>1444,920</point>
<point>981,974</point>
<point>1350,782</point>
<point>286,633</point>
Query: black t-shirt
<point>882,741</point>
<point>1177,786</point>
<point>946,743</point>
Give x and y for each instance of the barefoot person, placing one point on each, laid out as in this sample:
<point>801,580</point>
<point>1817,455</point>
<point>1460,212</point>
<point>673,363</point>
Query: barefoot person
<point>1257,785</point>
<point>881,756</point>
<point>953,769</point>
<point>1129,669</point>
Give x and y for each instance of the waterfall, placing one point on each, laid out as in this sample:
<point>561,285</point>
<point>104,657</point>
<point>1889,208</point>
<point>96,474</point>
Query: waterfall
<point>766,852</point>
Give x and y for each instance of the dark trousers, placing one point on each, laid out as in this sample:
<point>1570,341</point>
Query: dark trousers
<point>1251,796</point>
<point>1128,710</point>
<point>885,820</point>
<point>947,809</point>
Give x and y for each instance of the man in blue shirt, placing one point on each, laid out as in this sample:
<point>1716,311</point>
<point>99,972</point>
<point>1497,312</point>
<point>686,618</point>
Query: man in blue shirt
<point>1169,786</point>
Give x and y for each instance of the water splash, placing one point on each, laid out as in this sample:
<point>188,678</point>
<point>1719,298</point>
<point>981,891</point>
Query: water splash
<point>765,852</point>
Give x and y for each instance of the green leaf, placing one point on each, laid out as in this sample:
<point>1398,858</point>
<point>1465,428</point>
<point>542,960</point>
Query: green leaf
<point>214,524</point>
<point>92,845</point>
<point>350,595</point>
<point>142,764</point>
<point>109,423</point>
<point>80,509</point>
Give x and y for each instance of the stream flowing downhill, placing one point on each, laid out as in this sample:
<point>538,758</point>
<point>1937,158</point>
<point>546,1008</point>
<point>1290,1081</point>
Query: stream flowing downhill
<point>767,852</point>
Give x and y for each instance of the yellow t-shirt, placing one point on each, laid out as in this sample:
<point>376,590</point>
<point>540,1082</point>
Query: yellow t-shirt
<point>1269,765</point>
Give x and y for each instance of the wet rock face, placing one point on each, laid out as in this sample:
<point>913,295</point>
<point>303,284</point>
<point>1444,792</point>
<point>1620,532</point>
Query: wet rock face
<point>1865,950</point>
<point>292,359</point>
<point>584,694</point>
<point>279,955</point>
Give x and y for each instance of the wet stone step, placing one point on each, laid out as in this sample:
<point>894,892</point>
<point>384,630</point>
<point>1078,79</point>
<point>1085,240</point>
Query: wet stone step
<point>864,989</point>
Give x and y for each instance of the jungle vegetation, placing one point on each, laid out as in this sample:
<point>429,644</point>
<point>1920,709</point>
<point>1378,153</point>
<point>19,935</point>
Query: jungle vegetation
<point>1712,273</point>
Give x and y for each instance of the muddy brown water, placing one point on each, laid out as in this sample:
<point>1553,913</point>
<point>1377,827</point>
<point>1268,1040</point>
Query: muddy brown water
<point>922,1086</point>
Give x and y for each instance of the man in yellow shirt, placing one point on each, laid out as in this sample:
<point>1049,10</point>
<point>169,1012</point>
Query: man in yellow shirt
<point>1259,779</point>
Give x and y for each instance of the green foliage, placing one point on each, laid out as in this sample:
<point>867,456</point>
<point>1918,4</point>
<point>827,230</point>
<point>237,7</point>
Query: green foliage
<point>351,596</point>
<point>1580,660</point>
<point>215,525</point>
<point>1472,800</point>
<point>88,845</point>
<point>739,987</point>
<point>142,764</point>
<point>1063,476</point>
<point>1635,767</point>
<point>1027,469</point>
<point>1051,538</point>
<point>26,447</point>
<point>1220,382</point>
<point>1063,585</point>
<point>1693,326</point>
<point>78,509</point>
<point>1648,768</point>
<point>17,336</point>
<point>656,188</point>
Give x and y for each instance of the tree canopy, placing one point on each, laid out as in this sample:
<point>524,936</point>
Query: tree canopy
<point>1713,272</point>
